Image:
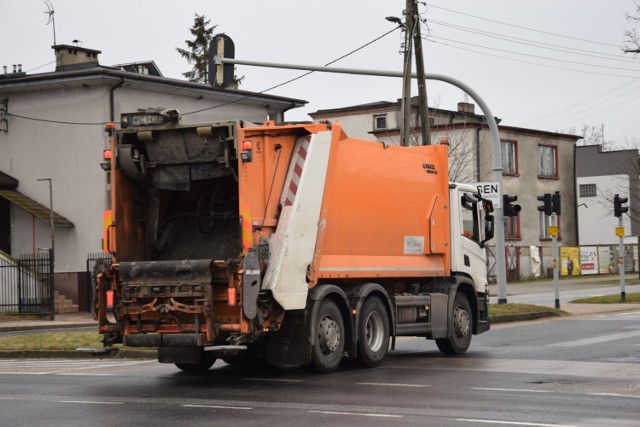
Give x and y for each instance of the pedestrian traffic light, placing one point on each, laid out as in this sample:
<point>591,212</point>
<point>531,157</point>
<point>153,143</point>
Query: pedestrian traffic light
<point>555,203</point>
<point>508,208</point>
<point>618,209</point>
<point>546,207</point>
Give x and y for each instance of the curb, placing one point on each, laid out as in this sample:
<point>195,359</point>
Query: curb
<point>46,327</point>
<point>521,317</point>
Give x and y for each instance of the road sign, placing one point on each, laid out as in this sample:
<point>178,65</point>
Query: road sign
<point>490,191</point>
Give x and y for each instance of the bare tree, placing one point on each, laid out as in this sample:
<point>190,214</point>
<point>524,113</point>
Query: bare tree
<point>632,37</point>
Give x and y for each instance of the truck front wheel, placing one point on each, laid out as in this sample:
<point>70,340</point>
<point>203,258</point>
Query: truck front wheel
<point>373,332</point>
<point>462,325</point>
<point>328,342</point>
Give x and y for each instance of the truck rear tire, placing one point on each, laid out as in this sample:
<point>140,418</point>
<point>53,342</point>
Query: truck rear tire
<point>328,343</point>
<point>373,332</point>
<point>207,359</point>
<point>462,325</point>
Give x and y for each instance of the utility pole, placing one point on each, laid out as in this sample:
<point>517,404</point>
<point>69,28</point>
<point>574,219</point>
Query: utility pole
<point>405,106</point>
<point>422,86</point>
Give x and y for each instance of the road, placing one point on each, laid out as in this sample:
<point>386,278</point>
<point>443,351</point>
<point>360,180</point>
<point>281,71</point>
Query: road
<point>575,371</point>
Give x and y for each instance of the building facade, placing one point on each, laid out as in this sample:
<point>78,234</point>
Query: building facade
<point>600,175</point>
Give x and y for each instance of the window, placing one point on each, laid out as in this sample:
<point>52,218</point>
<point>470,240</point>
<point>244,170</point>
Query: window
<point>548,161</point>
<point>380,122</point>
<point>587,190</point>
<point>512,227</point>
<point>470,219</point>
<point>545,221</point>
<point>509,157</point>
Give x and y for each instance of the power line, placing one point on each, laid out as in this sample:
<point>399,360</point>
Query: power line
<point>298,77</point>
<point>537,56</point>
<point>579,103</point>
<point>531,63</point>
<point>541,45</point>
<point>524,28</point>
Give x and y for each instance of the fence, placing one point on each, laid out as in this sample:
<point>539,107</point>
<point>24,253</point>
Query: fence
<point>530,262</point>
<point>26,283</point>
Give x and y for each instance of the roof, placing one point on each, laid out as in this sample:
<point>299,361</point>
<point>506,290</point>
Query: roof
<point>37,81</point>
<point>35,208</point>
<point>8,185</point>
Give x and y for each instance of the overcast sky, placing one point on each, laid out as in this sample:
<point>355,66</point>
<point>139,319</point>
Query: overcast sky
<point>546,64</point>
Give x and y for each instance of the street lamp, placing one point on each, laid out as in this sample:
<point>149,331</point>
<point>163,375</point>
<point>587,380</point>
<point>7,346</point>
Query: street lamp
<point>52,252</point>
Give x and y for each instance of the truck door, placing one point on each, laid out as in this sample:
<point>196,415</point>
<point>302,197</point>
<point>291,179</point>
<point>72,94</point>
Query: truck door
<point>472,230</point>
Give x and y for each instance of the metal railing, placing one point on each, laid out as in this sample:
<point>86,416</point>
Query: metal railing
<point>26,283</point>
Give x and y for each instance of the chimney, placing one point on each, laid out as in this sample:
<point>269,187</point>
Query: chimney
<point>466,107</point>
<point>73,57</point>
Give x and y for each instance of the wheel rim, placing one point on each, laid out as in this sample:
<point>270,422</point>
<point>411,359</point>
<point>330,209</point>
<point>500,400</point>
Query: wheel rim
<point>374,331</point>
<point>461,322</point>
<point>329,334</point>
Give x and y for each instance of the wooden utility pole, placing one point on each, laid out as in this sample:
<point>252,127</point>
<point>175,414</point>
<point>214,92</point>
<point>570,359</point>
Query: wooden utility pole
<point>413,42</point>
<point>422,86</point>
<point>405,106</point>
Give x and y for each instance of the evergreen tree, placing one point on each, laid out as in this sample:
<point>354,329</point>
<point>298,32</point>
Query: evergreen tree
<point>197,53</point>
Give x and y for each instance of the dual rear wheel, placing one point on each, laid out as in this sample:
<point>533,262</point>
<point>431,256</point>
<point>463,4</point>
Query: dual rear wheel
<point>329,340</point>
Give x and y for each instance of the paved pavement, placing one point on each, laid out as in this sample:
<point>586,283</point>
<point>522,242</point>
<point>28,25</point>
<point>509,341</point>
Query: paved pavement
<point>538,293</point>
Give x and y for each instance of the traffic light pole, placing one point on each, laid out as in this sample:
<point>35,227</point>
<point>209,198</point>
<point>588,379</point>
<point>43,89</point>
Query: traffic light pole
<point>623,296</point>
<point>556,259</point>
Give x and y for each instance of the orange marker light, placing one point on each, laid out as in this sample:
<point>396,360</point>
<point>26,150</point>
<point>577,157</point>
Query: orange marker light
<point>110,300</point>
<point>232,297</point>
<point>247,145</point>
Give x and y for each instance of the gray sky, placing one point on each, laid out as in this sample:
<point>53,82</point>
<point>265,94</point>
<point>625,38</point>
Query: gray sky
<point>547,64</point>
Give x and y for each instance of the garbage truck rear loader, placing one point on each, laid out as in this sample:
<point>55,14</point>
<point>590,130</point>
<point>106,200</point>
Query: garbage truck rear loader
<point>291,244</point>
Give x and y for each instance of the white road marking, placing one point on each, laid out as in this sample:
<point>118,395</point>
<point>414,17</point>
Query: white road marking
<point>596,340</point>
<point>614,395</point>
<point>512,423</point>
<point>281,380</point>
<point>90,402</point>
<point>360,414</point>
<point>242,408</point>
<point>512,390</point>
<point>395,385</point>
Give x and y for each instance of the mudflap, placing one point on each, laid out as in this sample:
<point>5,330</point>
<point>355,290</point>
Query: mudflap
<point>250,285</point>
<point>483,314</point>
<point>290,345</point>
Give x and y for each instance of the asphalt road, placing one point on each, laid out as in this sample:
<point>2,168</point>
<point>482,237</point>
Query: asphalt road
<point>563,372</point>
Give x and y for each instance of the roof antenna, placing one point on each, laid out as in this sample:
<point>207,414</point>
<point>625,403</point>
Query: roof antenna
<point>52,19</point>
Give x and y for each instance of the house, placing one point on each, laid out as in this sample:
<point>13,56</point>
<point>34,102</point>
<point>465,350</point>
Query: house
<point>51,128</point>
<point>534,162</point>
<point>600,175</point>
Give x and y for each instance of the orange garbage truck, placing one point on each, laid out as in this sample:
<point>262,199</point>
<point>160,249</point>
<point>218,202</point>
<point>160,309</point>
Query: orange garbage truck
<point>285,244</point>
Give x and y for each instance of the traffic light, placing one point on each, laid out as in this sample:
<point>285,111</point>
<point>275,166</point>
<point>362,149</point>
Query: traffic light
<point>546,207</point>
<point>555,203</point>
<point>508,208</point>
<point>618,209</point>
<point>221,75</point>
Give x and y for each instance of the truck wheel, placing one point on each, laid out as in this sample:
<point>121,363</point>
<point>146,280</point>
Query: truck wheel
<point>207,359</point>
<point>328,345</point>
<point>460,338</point>
<point>373,332</point>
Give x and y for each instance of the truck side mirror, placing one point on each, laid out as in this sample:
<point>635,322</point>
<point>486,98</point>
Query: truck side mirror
<point>488,229</point>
